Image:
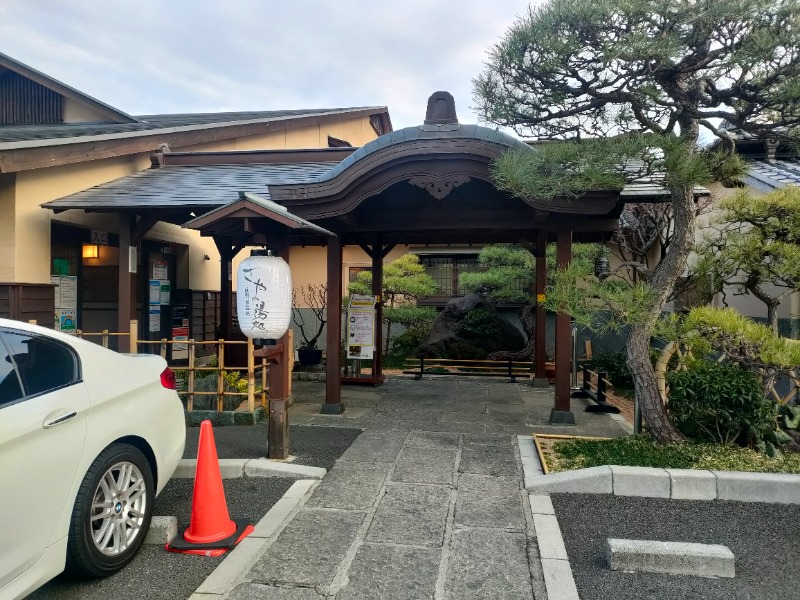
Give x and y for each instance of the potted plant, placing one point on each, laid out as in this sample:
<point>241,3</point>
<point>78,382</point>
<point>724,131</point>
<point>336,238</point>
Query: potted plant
<point>310,320</point>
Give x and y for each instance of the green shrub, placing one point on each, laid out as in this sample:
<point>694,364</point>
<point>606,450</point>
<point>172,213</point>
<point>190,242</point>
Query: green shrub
<point>479,323</point>
<point>405,344</point>
<point>615,365</point>
<point>719,403</point>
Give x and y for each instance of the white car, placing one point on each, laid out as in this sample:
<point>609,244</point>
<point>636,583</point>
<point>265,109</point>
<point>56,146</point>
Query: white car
<point>88,438</point>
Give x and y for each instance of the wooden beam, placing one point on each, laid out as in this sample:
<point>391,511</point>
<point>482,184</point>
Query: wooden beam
<point>386,249</point>
<point>367,250</point>
<point>333,341</point>
<point>143,225</point>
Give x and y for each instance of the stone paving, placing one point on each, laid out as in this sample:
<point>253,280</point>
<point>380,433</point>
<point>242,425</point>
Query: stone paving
<point>428,502</point>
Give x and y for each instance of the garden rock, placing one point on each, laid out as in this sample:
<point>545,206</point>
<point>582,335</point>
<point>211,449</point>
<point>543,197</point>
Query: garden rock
<point>470,328</point>
<point>209,402</point>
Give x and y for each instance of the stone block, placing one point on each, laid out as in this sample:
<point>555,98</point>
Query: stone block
<point>258,591</point>
<point>421,464</point>
<point>643,482</point>
<point>558,580</point>
<point>548,536</point>
<point>263,467</point>
<point>350,485</point>
<point>489,502</point>
<point>396,572</point>
<point>594,480</point>
<point>375,447</point>
<point>309,550</point>
<point>471,576</point>
<point>541,504</point>
<point>411,514</point>
<point>676,558</point>
<point>688,484</point>
<point>162,530</point>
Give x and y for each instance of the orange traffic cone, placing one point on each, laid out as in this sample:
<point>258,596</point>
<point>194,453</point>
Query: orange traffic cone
<point>211,531</point>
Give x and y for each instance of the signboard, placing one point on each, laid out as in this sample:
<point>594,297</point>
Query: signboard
<point>133,259</point>
<point>99,237</point>
<point>179,334</point>
<point>361,327</point>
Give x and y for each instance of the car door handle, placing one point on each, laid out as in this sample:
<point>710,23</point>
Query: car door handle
<point>62,418</point>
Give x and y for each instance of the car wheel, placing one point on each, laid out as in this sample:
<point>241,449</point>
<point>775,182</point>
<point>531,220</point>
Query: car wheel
<point>112,513</point>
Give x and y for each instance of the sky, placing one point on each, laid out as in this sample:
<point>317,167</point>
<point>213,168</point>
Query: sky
<point>178,56</point>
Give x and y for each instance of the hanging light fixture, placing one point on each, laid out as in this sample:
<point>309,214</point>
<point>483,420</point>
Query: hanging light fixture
<point>264,295</point>
<point>602,268</point>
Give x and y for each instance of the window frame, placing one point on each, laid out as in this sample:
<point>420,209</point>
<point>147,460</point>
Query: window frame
<point>77,373</point>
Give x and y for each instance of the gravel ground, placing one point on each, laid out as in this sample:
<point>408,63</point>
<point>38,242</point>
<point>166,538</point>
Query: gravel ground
<point>156,574</point>
<point>762,537</point>
<point>313,446</point>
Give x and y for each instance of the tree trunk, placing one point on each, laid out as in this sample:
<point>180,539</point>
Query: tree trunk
<point>528,320</point>
<point>663,280</point>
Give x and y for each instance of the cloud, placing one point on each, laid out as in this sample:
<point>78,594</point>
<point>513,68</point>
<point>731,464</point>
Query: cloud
<point>212,55</point>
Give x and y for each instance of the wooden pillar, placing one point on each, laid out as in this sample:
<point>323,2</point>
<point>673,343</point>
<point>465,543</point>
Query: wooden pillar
<point>224,246</point>
<point>377,290</point>
<point>333,372</point>
<point>540,344</point>
<point>279,378</point>
<point>561,410</point>
<point>126,287</point>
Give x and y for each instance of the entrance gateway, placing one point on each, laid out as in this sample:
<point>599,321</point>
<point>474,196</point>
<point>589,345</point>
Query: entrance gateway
<point>431,184</point>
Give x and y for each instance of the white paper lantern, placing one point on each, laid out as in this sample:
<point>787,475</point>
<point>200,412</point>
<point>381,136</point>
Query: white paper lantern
<point>264,295</point>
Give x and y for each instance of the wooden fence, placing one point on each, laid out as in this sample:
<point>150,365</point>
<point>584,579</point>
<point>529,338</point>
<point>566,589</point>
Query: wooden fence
<point>256,372</point>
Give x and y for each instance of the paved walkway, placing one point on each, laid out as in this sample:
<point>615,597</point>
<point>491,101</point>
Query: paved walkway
<point>428,501</point>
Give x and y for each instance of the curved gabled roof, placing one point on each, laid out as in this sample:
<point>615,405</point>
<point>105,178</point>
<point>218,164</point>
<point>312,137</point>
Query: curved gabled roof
<point>451,132</point>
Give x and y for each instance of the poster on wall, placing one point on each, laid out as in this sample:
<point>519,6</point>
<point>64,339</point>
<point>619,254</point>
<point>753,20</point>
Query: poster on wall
<point>165,292</point>
<point>66,320</point>
<point>155,319</point>
<point>66,302</point>
<point>160,269</point>
<point>155,292</point>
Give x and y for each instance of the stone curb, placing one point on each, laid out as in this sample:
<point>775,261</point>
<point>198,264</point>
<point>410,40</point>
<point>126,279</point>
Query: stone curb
<point>239,560</point>
<point>675,484</point>
<point>235,468</point>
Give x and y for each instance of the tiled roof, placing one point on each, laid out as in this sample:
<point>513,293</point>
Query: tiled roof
<point>768,175</point>
<point>14,136</point>
<point>188,187</point>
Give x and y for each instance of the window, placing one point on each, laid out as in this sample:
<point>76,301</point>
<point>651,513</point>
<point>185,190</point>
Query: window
<point>10,389</point>
<point>352,273</point>
<point>44,365</point>
<point>445,271</point>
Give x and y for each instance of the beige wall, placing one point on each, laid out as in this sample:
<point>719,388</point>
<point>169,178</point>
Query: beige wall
<point>7,231</point>
<point>356,131</point>
<point>74,111</point>
<point>309,264</point>
<point>32,223</point>
<point>25,226</point>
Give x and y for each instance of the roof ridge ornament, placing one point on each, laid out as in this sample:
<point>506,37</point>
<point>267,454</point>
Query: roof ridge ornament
<point>441,109</point>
